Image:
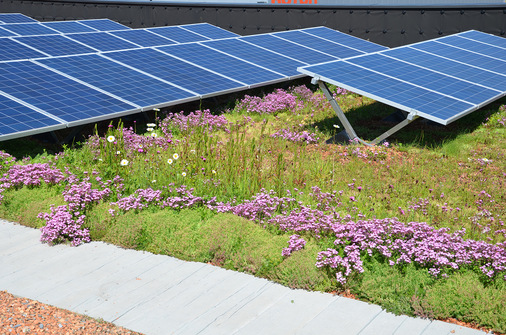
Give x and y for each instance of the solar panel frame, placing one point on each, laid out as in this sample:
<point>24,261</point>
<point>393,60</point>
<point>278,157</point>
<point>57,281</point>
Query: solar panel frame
<point>29,29</point>
<point>104,25</point>
<point>178,34</point>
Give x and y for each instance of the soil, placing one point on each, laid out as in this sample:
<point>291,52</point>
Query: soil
<point>25,316</point>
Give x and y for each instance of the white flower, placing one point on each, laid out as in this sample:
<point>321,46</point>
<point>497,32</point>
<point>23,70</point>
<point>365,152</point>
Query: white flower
<point>154,134</point>
<point>214,171</point>
<point>100,159</point>
<point>111,138</point>
<point>124,162</point>
<point>153,181</point>
<point>183,174</point>
<point>151,125</point>
<point>175,156</point>
<point>192,151</point>
<point>336,126</point>
<point>169,161</point>
<point>150,129</point>
<point>118,152</point>
<point>156,109</point>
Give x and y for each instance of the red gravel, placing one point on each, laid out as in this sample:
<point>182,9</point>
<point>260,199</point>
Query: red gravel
<point>25,316</point>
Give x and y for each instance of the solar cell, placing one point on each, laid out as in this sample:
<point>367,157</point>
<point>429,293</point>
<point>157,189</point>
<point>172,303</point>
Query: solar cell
<point>55,45</point>
<point>67,27</point>
<point>103,24</point>
<point>12,50</point>
<point>26,29</point>
<point>344,39</point>
<point>180,73</point>
<point>103,41</point>
<point>143,37</point>
<point>17,120</point>
<point>210,31</point>
<point>288,49</point>
<point>256,55</point>
<point>319,44</point>
<point>216,61</point>
<point>15,18</point>
<point>473,46</point>
<point>56,94</point>
<point>178,34</point>
<point>120,80</point>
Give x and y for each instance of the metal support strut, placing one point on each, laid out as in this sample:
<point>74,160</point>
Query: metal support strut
<point>347,126</point>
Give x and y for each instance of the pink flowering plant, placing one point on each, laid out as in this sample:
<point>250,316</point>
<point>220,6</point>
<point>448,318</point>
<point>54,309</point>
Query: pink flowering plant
<point>346,214</point>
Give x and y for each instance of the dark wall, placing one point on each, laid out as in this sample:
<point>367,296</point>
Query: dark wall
<point>389,26</point>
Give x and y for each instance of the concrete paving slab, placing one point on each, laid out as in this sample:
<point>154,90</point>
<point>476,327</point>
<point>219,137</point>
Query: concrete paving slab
<point>158,294</point>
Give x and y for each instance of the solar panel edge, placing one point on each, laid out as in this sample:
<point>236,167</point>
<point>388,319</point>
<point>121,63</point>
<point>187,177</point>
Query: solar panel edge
<point>30,132</point>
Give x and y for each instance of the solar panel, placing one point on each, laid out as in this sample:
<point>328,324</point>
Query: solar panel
<point>178,34</point>
<point>319,44</point>
<point>26,29</point>
<point>484,38</point>
<point>208,30</point>
<point>103,24</point>
<point>213,60</point>
<point>103,41</point>
<point>288,49</point>
<point>67,27</point>
<point>15,18</point>
<point>344,39</point>
<point>17,119</point>
<point>256,55</point>
<point>180,73</point>
<point>55,45</point>
<point>142,37</point>
<point>429,79</point>
<point>62,97</point>
<point>122,81</point>
<point>12,50</point>
<point>6,33</point>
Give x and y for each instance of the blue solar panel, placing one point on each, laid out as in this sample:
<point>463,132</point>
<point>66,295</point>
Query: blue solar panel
<point>216,61</point>
<point>178,34</point>
<point>450,67</point>
<point>485,38</point>
<point>120,80</point>
<point>25,29</point>
<point>12,50</point>
<point>67,27</point>
<point>434,81</point>
<point>103,41</point>
<point>289,49</point>
<point>209,30</point>
<point>319,44</point>
<point>487,63</point>
<point>103,24</point>
<point>143,37</point>
<point>15,18</point>
<point>473,46</point>
<point>344,39</point>
<point>55,45</point>
<point>175,71</point>
<point>429,79</point>
<point>256,55</point>
<point>56,94</point>
<point>16,118</point>
<point>6,33</point>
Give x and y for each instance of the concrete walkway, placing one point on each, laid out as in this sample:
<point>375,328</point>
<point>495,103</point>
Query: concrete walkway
<point>156,294</point>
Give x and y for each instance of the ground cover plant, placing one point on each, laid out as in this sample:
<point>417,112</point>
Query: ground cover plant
<point>416,224</point>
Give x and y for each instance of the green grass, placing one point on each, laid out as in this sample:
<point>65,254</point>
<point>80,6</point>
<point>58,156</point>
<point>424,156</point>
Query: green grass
<point>429,174</point>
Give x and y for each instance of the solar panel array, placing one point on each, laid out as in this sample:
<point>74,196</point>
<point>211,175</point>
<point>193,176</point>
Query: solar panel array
<point>71,77</point>
<point>440,80</point>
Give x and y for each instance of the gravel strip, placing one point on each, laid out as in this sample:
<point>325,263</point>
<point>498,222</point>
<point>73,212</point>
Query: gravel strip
<point>25,316</point>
